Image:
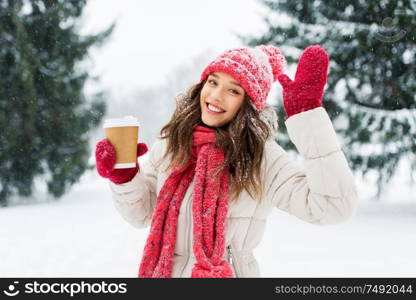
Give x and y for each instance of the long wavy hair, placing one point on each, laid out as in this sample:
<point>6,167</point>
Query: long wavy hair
<point>242,140</point>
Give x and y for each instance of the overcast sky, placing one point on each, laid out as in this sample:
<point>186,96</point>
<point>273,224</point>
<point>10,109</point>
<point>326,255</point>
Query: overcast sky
<point>152,37</point>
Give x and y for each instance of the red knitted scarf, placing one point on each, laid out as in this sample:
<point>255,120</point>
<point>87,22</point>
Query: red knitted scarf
<point>209,210</point>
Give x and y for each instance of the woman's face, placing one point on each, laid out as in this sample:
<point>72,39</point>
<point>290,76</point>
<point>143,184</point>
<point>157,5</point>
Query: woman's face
<point>224,93</point>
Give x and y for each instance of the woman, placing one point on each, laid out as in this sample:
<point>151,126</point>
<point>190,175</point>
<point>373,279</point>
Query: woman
<point>216,172</point>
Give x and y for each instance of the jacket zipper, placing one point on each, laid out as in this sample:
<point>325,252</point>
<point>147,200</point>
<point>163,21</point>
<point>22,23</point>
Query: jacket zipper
<point>188,217</point>
<point>231,260</point>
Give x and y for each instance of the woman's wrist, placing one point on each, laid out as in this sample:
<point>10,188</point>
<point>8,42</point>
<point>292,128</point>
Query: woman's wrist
<point>120,176</point>
<point>302,107</point>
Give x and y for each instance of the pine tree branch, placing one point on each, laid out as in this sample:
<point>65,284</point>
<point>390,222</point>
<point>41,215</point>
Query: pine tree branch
<point>373,106</point>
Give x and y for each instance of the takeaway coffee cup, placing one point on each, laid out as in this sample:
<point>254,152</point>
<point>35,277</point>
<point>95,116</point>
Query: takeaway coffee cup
<point>123,134</point>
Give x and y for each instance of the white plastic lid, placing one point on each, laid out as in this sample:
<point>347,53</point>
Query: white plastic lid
<point>121,122</point>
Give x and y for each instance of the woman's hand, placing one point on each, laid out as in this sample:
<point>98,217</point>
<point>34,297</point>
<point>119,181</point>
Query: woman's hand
<point>105,157</point>
<point>307,90</point>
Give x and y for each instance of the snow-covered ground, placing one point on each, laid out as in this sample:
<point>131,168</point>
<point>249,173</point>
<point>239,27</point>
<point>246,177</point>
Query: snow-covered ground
<point>82,235</point>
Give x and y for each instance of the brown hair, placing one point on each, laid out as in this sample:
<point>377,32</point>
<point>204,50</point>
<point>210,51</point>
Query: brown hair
<point>242,140</point>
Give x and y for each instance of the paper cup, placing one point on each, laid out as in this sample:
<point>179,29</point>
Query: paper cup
<point>123,134</point>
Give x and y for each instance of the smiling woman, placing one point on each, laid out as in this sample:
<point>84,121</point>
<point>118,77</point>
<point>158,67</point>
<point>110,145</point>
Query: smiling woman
<point>215,174</point>
<point>221,98</point>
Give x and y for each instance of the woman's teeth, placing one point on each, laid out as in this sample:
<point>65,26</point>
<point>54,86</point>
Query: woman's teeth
<point>214,108</point>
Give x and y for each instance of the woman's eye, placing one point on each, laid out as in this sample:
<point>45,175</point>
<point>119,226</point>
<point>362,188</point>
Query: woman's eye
<point>212,82</point>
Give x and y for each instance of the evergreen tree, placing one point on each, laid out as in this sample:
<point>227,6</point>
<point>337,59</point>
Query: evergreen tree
<point>371,89</point>
<point>45,118</point>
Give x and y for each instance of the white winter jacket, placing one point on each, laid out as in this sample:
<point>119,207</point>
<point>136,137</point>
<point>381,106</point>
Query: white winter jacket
<point>320,192</point>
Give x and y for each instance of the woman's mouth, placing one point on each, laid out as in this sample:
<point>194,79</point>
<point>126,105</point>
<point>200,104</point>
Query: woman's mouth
<point>214,110</point>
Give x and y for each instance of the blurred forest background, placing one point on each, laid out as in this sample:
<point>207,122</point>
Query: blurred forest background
<point>52,106</point>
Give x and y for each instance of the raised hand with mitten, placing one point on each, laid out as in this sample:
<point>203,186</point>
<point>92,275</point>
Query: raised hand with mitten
<point>105,156</point>
<point>307,90</point>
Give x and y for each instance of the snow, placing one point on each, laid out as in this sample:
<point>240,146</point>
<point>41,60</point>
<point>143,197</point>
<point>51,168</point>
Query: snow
<point>82,235</point>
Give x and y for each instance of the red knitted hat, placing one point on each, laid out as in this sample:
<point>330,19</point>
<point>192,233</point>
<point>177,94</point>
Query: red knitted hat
<point>255,69</point>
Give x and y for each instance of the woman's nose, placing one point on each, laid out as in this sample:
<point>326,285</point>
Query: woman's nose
<point>216,95</point>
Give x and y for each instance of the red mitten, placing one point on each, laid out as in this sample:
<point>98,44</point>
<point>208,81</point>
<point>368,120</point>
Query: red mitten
<point>307,90</point>
<point>105,157</point>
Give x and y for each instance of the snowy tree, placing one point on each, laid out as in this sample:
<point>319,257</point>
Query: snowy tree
<point>371,89</point>
<point>45,118</point>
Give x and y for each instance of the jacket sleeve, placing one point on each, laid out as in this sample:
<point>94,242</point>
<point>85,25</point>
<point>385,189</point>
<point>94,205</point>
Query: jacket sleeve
<point>135,200</point>
<point>323,190</point>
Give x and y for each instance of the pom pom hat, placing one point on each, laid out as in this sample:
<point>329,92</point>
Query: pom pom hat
<point>255,69</point>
